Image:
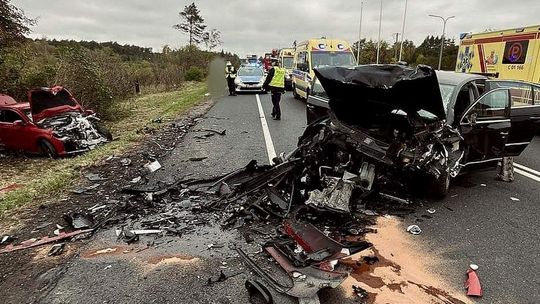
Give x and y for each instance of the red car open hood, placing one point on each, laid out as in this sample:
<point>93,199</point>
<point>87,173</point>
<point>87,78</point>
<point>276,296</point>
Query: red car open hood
<point>49,102</point>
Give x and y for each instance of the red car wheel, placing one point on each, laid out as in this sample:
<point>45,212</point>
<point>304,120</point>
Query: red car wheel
<point>47,149</point>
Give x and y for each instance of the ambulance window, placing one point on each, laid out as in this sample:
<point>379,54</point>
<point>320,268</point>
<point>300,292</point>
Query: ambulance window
<point>521,93</point>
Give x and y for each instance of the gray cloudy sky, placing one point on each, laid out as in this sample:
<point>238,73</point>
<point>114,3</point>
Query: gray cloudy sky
<point>254,26</point>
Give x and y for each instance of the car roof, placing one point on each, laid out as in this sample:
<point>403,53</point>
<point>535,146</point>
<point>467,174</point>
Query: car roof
<point>20,105</point>
<point>251,66</point>
<point>455,78</point>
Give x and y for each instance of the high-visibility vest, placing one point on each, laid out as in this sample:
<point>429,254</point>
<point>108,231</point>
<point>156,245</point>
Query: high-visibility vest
<point>230,71</point>
<point>278,81</point>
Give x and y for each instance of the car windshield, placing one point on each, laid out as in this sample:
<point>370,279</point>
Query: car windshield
<point>446,94</point>
<point>28,113</point>
<point>332,59</point>
<point>247,71</point>
<point>288,62</point>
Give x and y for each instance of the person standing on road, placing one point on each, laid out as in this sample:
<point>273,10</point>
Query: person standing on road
<point>275,83</point>
<point>230,74</point>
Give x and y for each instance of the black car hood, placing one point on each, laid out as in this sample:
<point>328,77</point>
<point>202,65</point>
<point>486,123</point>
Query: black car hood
<point>366,92</point>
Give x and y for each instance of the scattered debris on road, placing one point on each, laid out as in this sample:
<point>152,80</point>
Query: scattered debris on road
<point>414,229</point>
<point>153,166</point>
<point>472,284</point>
<point>45,240</point>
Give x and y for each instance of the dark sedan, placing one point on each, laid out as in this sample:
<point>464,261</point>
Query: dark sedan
<point>395,107</point>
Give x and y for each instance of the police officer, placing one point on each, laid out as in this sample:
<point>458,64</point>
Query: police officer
<point>230,74</point>
<point>275,83</point>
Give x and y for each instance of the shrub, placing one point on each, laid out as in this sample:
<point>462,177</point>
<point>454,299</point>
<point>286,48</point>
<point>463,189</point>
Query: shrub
<point>194,74</point>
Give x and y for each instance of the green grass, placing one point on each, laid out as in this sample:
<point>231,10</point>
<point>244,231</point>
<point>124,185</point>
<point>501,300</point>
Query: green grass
<point>43,179</point>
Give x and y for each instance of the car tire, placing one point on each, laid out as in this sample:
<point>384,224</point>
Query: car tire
<point>47,149</point>
<point>441,185</point>
<point>102,130</point>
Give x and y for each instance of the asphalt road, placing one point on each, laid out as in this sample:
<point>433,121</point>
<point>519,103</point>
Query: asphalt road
<point>474,224</point>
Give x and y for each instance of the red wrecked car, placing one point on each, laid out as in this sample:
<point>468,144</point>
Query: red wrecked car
<point>51,123</point>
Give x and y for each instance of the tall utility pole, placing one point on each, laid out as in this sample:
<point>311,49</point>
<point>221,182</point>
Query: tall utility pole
<point>403,32</point>
<point>359,33</point>
<point>379,40</point>
<point>442,38</point>
<point>395,44</point>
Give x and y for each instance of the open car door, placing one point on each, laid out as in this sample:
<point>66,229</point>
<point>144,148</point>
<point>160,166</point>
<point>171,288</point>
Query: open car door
<point>524,113</point>
<point>485,127</point>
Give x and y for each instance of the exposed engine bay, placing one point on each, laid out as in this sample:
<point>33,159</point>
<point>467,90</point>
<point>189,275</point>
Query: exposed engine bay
<point>386,128</point>
<point>78,132</point>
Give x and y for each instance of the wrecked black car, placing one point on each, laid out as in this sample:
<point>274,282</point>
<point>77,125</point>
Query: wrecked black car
<point>390,123</point>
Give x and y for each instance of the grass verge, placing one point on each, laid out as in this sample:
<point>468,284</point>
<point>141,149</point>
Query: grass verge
<point>43,178</point>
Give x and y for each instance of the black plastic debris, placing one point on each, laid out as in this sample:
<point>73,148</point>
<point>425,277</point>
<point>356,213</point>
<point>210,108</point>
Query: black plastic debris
<point>56,249</point>
<point>258,293</point>
<point>221,278</point>
<point>360,293</point>
<point>79,220</point>
<point>127,236</point>
<point>85,190</point>
<point>7,239</point>
<point>197,159</point>
<point>213,131</point>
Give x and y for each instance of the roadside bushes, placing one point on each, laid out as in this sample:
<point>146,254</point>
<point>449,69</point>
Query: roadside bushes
<point>194,74</point>
<point>99,74</point>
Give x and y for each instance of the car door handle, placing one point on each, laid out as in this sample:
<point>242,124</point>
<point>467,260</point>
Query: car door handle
<point>310,107</point>
<point>504,133</point>
<point>534,118</point>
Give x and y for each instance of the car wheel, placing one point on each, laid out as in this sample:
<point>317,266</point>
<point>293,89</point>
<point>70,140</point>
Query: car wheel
<point>103,131</point>
<point>441,185</point>
<point>47,149</point>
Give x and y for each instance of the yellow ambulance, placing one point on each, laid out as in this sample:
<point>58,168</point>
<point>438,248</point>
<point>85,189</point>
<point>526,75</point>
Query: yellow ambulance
<point>315,53</point>
<point>512,54</point>
<point>286,60</point>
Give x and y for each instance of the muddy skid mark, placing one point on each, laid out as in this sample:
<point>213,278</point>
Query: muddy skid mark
<point>401,273</point>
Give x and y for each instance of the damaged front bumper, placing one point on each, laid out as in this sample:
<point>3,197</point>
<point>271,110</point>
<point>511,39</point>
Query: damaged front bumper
<point>78,133</point>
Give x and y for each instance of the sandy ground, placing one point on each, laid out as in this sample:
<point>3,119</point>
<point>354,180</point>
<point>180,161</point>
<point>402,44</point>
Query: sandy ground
<point>404,271</point>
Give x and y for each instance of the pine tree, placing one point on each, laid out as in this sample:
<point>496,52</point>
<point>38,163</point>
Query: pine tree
<point>193,24</point>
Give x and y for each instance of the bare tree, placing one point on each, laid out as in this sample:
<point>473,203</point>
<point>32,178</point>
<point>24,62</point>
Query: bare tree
<point>212,39</point>
<point>193,24</point>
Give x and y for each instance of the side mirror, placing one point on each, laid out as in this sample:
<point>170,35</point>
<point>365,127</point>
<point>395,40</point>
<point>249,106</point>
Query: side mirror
<point>472,119</point>
<point>18,123</point>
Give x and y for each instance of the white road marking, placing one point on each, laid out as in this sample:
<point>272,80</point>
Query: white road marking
<point>266,132</point>
<point>522,167</point>
<point>527,174</point>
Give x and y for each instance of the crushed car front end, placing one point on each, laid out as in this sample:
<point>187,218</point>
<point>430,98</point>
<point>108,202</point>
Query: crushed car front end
<point>55,109</point>
<point>77,132</point>
<point>386,128</point>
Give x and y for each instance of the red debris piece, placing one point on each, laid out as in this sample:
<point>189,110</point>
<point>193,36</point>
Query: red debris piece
<point>46,240</point>
<point>473,284</point>
<point>9,188</point>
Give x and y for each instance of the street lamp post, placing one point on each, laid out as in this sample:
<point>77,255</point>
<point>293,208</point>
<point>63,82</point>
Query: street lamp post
<point>403,32</point>
<point>359,33</point>
<point>442,38</point>
<point>379,40</point>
